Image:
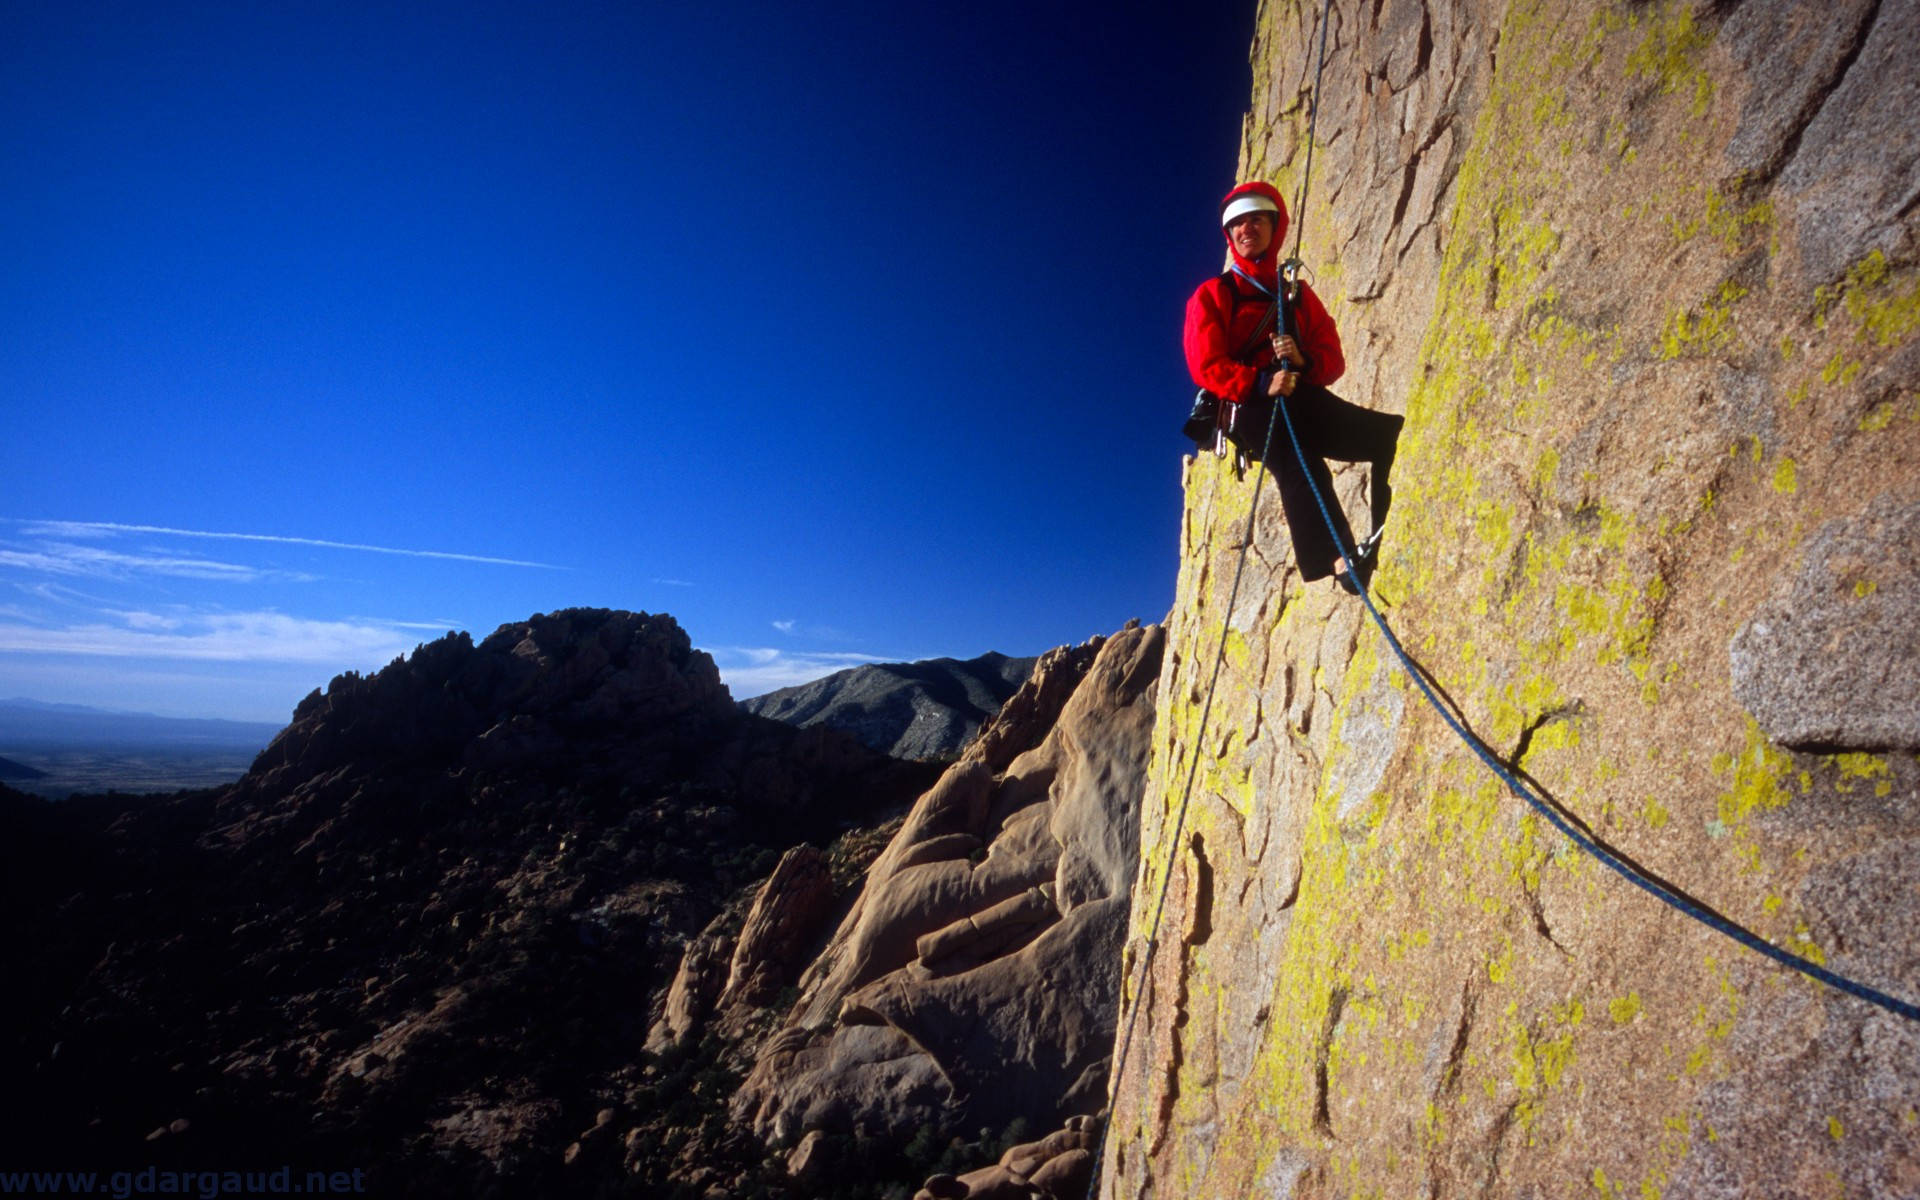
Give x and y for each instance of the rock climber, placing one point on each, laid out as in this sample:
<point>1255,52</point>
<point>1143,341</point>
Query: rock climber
<point>1239,351</point>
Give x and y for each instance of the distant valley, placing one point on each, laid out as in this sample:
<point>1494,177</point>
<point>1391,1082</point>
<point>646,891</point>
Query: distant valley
<point>72,748</point>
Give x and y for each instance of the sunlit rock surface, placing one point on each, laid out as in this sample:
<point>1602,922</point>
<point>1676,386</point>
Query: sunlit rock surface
<point>974,980</point>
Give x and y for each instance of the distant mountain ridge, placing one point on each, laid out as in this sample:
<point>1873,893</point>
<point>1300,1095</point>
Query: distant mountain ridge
<point>37,723</point>
<point>925,709</point>
<point>17,771</point>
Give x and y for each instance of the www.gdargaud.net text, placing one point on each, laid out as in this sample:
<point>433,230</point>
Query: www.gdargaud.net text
<point>205,1184</point>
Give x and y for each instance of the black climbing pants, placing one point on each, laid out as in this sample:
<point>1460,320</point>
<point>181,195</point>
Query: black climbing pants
<point>1329,427</point>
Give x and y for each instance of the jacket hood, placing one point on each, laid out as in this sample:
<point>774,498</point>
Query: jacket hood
<point>1266,267</point>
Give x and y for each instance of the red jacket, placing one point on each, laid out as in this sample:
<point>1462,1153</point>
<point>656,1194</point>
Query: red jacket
<point>1225,310</point>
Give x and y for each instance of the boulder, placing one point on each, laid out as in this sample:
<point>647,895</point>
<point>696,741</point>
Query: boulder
<point>958,978</point>
<point>807,1161</point>
<point>994,1183</point>
<point>780,927</point>
<point>1065,1176</point>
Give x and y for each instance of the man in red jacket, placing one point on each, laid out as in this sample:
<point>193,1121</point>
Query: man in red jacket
<point>1238,349</point>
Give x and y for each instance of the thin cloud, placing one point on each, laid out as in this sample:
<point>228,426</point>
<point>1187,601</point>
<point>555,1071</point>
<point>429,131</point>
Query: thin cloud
<point>147,620</point>
<point>753,670</point>
<point>818,633</point>
<point>59,593</point>
<point>80,529</point>
<point>674,582</point>
<point>94,562</point>
<point>218,637</point>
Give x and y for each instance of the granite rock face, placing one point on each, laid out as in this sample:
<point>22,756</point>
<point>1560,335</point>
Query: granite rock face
<point>788,910</point>
<point>1645,281</point>
<point>974,979</point>
<point>1831,660</point>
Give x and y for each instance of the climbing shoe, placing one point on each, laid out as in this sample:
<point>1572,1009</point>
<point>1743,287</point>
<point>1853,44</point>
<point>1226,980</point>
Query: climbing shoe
<point>1202,421</point>
<point>1368,555</point>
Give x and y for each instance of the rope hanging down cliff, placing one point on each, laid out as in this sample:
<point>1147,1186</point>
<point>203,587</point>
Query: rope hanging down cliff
<point>1290,274</point>
<point>1627,870</point>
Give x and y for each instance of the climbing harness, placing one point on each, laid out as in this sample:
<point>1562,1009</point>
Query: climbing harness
<point>1290,276</point>
<point>1204,423</point>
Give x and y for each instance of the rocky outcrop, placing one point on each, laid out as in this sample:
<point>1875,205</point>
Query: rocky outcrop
<point>702,976</point>
<point>524,692</point>
<point>1643,280</point>
<point>973,981</point>
<point>454,899</point>
<point>926,709</point>
<point>786,913</point>
<point>1057,1167</point>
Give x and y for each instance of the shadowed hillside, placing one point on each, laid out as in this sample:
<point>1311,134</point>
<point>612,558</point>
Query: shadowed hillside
<point>423,933</point>
<point>519,918</point>
<point>926,709</point>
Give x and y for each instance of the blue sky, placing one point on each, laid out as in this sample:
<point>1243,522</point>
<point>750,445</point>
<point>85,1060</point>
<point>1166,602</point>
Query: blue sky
<point>843,332</point>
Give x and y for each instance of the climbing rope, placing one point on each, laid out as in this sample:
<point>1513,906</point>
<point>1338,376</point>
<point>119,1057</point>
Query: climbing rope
<point>1186,798</point>
<point>1220,657</point>
<point>1313,122</point>
<point>1627,870</point>
<point>1621,866</point>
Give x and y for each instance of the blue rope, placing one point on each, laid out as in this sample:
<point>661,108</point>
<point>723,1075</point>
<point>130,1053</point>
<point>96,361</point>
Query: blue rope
<point>1626,870</point>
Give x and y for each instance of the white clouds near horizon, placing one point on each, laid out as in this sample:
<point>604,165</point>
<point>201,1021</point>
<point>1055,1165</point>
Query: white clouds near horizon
<point>219,636</point>
<point>750,671</point>
<point>105,612</point>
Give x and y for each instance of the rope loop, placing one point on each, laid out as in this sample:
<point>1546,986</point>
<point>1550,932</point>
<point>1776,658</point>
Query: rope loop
<point>1553,817</point>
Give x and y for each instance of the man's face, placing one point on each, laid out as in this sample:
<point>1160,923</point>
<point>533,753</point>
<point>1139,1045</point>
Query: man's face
<point>1251,233</point>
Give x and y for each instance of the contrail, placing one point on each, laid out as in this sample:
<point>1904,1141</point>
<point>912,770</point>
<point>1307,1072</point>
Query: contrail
<point>75,527</point>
